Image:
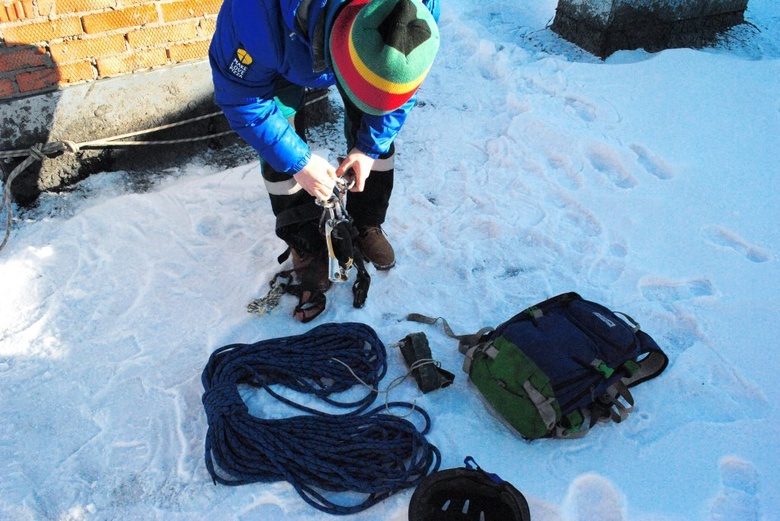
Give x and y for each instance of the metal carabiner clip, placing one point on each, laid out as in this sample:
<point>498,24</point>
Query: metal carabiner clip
<point>334,214</point>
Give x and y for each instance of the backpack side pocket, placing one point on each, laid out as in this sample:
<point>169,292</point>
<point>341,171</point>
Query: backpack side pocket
<point>515,388</point>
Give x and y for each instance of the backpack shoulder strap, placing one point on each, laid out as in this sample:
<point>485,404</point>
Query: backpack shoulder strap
<point>653,363</point>
<point>465,342</point>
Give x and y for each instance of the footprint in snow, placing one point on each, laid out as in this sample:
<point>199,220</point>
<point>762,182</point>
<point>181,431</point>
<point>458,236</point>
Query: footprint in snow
<point>593,498</point>
<point>722,237</point>
<point>652,163</point>
<point>566,171</point>
<point>737,500</point>
<point>608,269</point>
<point>525,212</point>
<point>584,109</point>
<point>668,292</point>
<point>607,161</point>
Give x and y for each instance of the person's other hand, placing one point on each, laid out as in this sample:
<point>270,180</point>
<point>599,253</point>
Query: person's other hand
<point>360,165</point>
<point>318,178</point>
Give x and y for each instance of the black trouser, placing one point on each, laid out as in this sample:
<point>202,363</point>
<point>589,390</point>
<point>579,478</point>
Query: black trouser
<point>297,214</point>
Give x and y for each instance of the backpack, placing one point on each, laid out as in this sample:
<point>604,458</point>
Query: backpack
<point>557,368</point>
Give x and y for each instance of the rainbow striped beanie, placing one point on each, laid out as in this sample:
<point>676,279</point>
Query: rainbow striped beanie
<point>381,51</point>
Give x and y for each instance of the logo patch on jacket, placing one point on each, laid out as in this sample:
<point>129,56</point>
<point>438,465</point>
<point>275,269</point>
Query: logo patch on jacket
<point>241,62</point>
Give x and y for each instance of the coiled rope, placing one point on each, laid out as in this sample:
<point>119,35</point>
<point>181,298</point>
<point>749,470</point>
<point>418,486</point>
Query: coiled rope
<point>368,452</point>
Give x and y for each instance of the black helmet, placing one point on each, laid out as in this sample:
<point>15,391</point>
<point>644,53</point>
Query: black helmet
<point>467,494</point>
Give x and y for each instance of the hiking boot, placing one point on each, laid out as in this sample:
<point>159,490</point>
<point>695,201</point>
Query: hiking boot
<point>375,248</point>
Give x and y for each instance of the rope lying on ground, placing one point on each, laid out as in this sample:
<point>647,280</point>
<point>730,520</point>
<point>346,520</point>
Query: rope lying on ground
<point>372,453</point>
<point>40,151</point>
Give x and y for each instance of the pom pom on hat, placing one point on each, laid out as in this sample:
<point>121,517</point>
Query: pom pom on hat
<point>381,51</point>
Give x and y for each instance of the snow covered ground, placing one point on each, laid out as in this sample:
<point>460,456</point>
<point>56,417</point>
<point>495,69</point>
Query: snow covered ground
<point>648,182</point>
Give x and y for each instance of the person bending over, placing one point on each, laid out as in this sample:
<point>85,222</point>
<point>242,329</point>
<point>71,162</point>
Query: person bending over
<point>266,53</point>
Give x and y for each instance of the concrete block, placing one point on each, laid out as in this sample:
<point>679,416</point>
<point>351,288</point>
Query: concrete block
<point>602,27</point>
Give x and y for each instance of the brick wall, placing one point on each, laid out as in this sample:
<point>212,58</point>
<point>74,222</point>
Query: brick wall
<point>48,44</point>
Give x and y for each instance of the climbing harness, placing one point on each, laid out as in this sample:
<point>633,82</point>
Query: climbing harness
<point>467,494</point>
<point>340,232</point>
<point>368,452</point>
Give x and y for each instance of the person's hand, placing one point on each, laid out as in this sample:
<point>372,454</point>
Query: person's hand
<point>360,165</point>
<point>318,178</point>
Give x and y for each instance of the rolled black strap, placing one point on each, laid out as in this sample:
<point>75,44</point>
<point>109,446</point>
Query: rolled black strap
<point>427,372</point>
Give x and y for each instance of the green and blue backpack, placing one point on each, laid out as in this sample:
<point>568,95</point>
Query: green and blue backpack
<point>557,368</point>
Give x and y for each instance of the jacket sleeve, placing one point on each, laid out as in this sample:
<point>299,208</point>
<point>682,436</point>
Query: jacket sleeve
<point>377,133</point>
<point>261,124</point>
<point>253,115</point>
<point>246,94</point>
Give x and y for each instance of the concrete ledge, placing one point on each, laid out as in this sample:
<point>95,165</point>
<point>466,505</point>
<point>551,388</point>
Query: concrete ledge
<point>111,107</point>
<point>602,27</point>
<point>104,109</point>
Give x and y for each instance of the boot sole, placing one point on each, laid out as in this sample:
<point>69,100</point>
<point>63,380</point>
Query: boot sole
<point>383,267</point>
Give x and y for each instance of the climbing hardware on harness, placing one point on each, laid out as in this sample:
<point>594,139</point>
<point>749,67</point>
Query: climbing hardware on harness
<point>340,233</point>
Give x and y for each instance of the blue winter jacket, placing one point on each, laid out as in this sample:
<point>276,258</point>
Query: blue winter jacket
<point>257,40</point>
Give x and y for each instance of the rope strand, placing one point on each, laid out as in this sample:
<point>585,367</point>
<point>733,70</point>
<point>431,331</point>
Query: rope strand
<point>41,150</point>
<point>367,452</point>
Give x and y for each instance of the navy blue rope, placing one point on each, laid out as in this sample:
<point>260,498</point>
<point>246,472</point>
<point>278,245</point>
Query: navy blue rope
<point>369,452</point>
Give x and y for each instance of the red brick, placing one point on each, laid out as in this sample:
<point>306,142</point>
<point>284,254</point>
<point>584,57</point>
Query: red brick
<point>76,72</point>
<point>29,8</point>
<point>82,6</point>
<point>162,34</point>
<point>19,10</point>
<point>10,13</point>
<point>71,50</point>
<point>129,62</point>
<point>23,58</point>
<point>42,31</point>
<point>47,79</point>
<point>122,19</point>
<point>46,7</point>
<point>6,87</point>
<point>188,51</point>
<point>38,80</point>
<point>189,9</point>
<point>208,26</point>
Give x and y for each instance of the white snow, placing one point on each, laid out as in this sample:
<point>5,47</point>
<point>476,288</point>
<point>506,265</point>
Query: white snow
<point>648,182</point>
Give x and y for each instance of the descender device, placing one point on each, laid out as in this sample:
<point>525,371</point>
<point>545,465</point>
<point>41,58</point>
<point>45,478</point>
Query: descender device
<point>340,234</point>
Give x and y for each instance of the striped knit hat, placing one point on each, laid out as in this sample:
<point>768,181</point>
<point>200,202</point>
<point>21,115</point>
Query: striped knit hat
<point>381,51</point>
